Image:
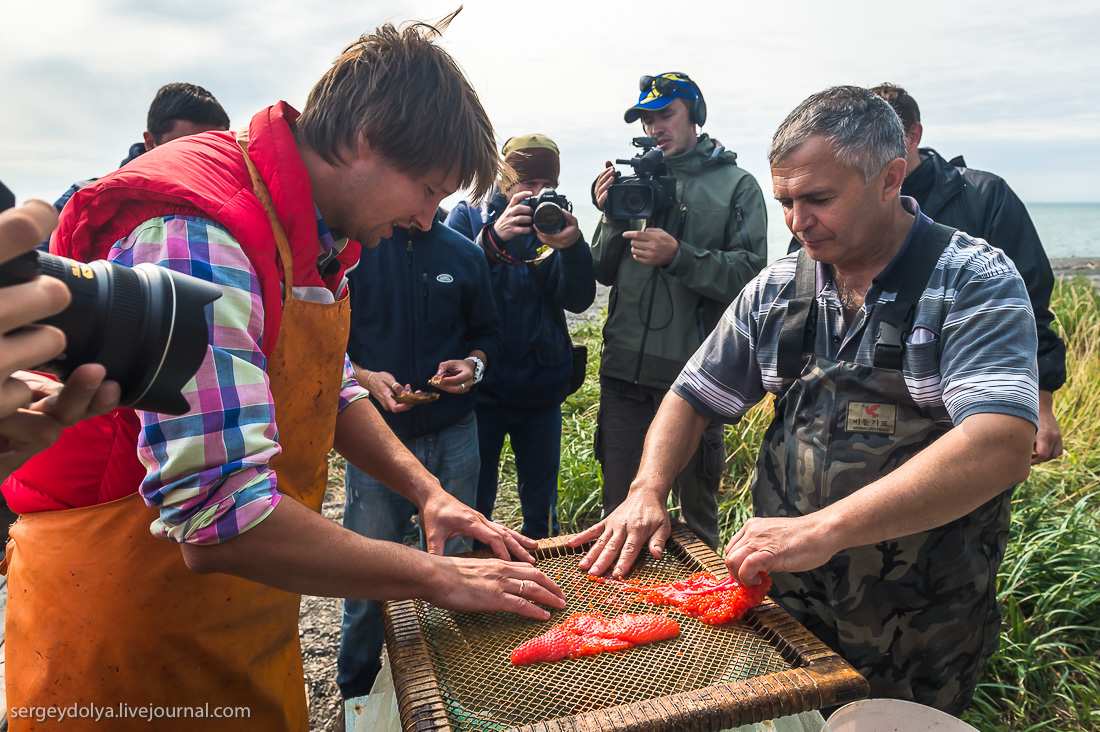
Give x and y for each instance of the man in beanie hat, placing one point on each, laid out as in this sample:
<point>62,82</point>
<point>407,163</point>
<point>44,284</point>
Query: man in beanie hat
<point>535,275</point>
<point>671,280</point>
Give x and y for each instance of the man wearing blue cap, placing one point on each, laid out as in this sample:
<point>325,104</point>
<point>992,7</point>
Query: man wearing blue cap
<point>672,277</point>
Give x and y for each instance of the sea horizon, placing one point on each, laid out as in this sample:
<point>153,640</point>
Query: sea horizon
<point>1067,230</point>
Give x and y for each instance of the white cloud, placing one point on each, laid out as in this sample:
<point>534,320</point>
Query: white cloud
<point>1005,79</point>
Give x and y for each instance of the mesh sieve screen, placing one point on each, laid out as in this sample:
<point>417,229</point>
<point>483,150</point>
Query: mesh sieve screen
<point>480,689</point>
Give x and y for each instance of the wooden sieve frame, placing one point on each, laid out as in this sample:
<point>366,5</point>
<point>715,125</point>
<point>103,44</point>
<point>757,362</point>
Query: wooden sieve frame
<point>818,677</point>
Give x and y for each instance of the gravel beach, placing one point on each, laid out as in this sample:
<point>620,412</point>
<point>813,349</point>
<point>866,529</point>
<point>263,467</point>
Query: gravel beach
<point>1077,267</point>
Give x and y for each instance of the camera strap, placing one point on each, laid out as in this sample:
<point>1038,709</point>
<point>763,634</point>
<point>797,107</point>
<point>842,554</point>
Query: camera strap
<point>497,255</point>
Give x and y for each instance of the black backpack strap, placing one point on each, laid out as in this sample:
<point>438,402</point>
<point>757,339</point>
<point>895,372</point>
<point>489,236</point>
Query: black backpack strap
<point>795,338</point>
<point>896,318</point>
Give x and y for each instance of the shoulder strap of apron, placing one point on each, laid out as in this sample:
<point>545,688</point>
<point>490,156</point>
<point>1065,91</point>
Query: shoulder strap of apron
<point>282,244</point>
<point>796,335</point>
<point>895,318</point>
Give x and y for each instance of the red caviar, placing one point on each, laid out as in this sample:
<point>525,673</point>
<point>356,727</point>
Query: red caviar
<point>586,635</point>
<point>714,608</point>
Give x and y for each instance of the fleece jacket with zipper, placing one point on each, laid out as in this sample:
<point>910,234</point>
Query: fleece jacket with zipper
<point>658,316</point>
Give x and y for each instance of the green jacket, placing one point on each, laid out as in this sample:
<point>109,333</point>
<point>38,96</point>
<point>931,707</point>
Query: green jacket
<point>658,316</point>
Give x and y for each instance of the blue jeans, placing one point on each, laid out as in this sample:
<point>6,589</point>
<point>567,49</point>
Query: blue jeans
<point>535,435</point>
<point>375,511</point>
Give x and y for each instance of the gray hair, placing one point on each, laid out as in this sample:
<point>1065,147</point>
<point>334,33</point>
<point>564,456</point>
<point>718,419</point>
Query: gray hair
<point>863,128</point>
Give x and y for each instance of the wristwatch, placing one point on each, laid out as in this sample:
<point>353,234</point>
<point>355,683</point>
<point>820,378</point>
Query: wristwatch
<point>479,368</point>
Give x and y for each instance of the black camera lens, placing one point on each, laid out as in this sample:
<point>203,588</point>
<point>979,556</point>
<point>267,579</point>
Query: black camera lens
<point>146,324</point>
<point>635,202</point>
<point>548,218</point>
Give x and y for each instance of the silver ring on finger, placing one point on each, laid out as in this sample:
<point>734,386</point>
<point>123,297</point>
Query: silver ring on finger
<point>522,584</point>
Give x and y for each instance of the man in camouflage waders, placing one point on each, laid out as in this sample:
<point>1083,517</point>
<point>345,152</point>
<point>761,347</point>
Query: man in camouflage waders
<point>901,354</point>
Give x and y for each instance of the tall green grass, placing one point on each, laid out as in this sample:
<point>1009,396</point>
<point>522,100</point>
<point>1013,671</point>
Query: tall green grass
<point>1046,675</point>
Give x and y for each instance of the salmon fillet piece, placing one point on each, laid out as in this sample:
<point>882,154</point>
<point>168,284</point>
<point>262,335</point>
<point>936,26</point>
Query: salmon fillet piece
<point>587,635</point>
<point>701,596</point>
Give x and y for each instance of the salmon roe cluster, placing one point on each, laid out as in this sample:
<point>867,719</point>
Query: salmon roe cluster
<point>714,608</point>
<point>586,635</point>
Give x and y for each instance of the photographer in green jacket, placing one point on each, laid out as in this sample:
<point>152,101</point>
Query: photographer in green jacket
<point>671,278</point>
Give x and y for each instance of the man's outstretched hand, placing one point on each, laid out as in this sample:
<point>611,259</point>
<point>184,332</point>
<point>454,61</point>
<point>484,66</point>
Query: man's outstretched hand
<point>639,522</point>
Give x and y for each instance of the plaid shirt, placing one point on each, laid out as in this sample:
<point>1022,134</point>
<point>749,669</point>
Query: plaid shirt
<point>208,470</point>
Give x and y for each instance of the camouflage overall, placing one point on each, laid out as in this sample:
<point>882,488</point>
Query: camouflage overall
<point>917,615</point>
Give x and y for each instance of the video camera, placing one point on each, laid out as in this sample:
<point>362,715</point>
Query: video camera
<point>144,324</point>
<point>547,209</point>
<point>648,192</point>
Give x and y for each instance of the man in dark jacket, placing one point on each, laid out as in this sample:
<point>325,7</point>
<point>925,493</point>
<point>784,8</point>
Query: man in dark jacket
<point>983,205</point>
<point>421,308</point>
<point>534,277</point>
<point>671,279</point>
<point>178,110</point>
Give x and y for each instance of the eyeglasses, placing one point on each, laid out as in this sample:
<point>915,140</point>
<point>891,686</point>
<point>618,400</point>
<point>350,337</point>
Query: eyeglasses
<point>667,85</point>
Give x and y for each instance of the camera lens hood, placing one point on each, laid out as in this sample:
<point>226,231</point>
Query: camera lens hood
<point>146,325</point>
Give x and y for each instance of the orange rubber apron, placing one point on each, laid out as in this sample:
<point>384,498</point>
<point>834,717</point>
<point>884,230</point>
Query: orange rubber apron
<point>100,612</point>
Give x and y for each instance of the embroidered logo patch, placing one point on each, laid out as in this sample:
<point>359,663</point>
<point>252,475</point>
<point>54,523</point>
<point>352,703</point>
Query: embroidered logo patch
<point>872,417</point>
<point>445,278</point>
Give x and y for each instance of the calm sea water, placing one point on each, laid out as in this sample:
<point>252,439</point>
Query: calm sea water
<point>1066,229</point>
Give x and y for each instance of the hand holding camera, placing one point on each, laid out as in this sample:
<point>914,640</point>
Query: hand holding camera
<point>24,344</point>
<point>604,180</point>
<point>146,324</point>
<point>549,214</point>
<point>516,219</point>
<point>34,409</point>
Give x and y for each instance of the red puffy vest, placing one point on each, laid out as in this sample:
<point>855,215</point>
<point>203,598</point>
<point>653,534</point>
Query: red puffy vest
<point>204,175</point>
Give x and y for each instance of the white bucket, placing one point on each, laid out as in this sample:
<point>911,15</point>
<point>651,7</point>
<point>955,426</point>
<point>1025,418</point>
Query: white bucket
<point>893,715</point>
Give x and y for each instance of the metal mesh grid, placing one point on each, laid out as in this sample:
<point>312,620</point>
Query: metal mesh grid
<point>481,690</point>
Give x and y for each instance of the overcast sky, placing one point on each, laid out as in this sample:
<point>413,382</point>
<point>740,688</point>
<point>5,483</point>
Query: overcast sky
<point>1010,84</point>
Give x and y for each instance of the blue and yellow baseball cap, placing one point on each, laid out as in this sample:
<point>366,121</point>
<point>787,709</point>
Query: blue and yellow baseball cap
<point>659,91</point>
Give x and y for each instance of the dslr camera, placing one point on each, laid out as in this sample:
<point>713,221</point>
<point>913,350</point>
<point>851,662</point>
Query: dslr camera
<point>646,193</point>
<point>144,324</point>
<point>547,208</point>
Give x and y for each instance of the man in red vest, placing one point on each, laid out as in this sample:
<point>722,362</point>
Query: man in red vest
<point>158,561</point>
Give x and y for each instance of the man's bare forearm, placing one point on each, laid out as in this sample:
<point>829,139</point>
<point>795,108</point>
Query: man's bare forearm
<point>367,442</point>
<point>297,550</point>
<point>983,456</point>
<point>672,439</point>
<point>971,464</point>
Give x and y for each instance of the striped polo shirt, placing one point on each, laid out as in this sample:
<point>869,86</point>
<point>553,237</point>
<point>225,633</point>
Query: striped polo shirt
<point>971,349</point>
